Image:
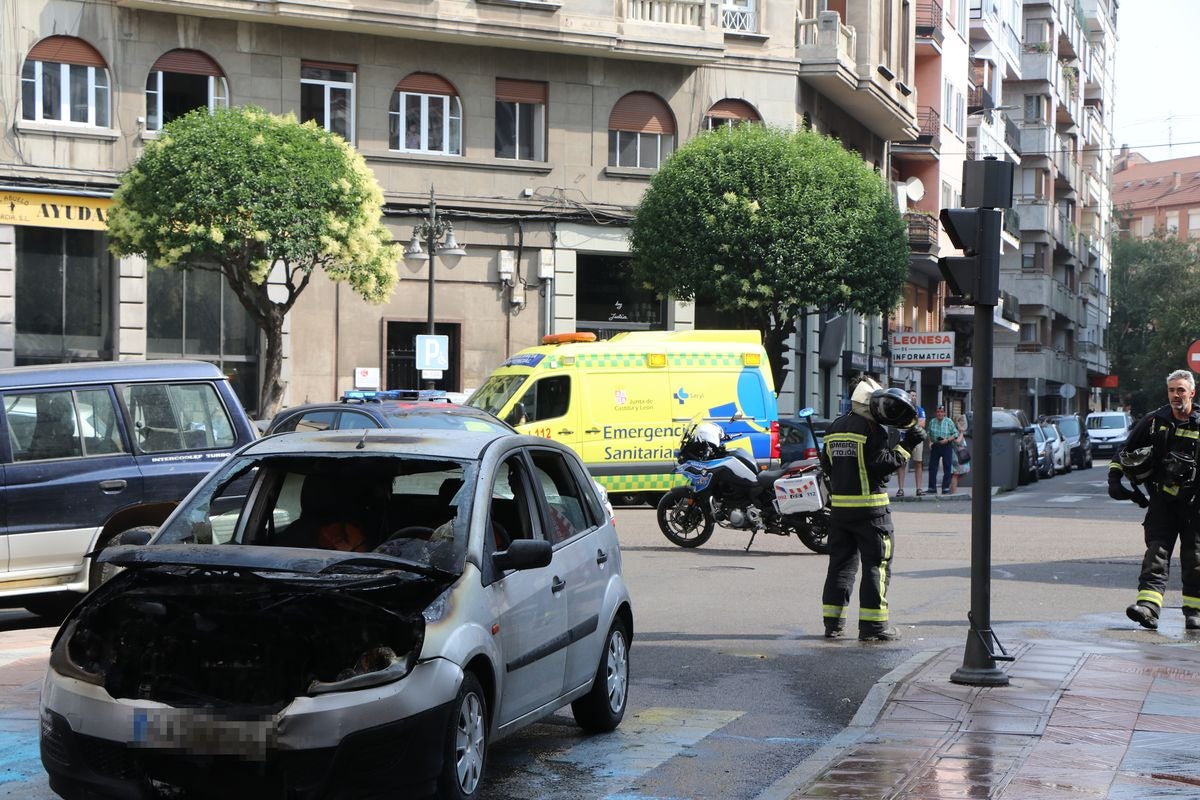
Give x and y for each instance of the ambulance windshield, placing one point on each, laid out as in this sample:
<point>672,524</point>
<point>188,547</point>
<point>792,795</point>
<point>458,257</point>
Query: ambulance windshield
<point>496,392</point>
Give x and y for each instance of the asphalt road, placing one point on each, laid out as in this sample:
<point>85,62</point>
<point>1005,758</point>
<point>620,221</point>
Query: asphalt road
<point>733,683</point>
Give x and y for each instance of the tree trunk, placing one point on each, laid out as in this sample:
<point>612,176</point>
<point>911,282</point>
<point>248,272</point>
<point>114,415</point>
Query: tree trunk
<point>270,394</point>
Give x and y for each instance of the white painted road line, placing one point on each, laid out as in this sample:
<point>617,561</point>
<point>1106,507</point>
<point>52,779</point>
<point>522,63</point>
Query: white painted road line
<point>1069,498</point>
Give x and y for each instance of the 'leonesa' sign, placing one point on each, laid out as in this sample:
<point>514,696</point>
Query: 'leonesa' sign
<point>932,349</point>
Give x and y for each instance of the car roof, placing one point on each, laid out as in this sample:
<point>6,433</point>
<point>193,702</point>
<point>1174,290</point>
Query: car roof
<point>106,372</point>
<point>384,441</point>
<point>386,408</point>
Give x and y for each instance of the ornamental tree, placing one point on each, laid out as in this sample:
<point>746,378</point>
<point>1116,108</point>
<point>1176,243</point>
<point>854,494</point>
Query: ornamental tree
<point>255,196</point>
<point>763,224</point>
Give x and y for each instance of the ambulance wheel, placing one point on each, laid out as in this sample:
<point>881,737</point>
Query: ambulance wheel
<point>683,519</point>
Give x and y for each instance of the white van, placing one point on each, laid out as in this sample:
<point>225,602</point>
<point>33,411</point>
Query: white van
<point>1109,430</point>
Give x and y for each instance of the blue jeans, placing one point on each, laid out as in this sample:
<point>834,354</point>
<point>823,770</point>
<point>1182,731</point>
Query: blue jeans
<point>940,454</point>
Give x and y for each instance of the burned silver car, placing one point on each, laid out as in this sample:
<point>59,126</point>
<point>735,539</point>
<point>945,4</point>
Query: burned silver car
<point>365,620</point>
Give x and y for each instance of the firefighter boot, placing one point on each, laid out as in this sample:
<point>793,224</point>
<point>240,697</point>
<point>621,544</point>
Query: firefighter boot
<point>888,634</point>
<point>1143,614</point>
<point>834,629</point>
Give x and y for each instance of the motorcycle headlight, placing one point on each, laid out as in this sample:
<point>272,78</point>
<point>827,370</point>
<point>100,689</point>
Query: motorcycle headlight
<point>375,667</point>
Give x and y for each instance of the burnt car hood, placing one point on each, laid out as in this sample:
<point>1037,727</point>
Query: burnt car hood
<point>257,558</point>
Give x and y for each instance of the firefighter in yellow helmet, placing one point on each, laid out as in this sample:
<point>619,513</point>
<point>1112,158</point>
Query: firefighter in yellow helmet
<point>859,463</point>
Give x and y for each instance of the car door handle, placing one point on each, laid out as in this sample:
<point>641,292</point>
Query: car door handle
<point>557,585</point>
<point>565,432</point>
<point>601,557</point>
<point>112,486</point>
<point>592,430</point>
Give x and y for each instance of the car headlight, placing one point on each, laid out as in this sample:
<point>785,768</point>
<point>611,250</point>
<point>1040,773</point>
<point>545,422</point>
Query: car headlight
<point>375,667</point>
<point>62,662</point>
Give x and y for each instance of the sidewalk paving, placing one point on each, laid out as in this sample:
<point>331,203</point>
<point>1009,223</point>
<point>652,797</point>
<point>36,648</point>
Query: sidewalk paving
<point>1076,722</point>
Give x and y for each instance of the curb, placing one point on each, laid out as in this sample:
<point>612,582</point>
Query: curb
<point>864,718</point>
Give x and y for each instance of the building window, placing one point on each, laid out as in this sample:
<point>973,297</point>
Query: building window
<point>1148,225</point>
<point>727,113</point>
<point>195,314</point>
<point>1194,223</point>
<point>520,119</point>
<point>180,81</point>
<point>1029,332</point>
<point>327,96</point>
<point>64,79</point>
<point>1032,256</point>
<point>609,300</point>
<point>63,303</point>
<point>1036,107</point>
<point>1172,222</point>
<point>425,116</point>
<point>1033,184</point>
<point>641,131</point>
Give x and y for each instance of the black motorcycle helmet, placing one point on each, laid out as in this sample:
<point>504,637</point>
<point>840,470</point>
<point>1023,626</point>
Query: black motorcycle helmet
<point>892,407</point>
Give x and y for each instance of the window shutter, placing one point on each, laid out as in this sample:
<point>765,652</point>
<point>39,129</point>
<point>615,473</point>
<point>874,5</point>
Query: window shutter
<point>330,65</point>
<point>66,50</point>
<point>733,109</point>
<point>641,112</point>
<point>427,83</point>
<point>513,91</point>
<point>189,62</point>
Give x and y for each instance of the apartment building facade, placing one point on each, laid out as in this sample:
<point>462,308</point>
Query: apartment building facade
<point>535,125</point>
<point>1152,197</point>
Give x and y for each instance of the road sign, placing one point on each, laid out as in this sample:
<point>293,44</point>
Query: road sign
<point>433,352</point>
<point>1193,356</point>
<point>1066,391</point>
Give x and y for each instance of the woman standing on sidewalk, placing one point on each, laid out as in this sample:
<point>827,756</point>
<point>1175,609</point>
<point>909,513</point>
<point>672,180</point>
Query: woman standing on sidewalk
<point>959,467</point>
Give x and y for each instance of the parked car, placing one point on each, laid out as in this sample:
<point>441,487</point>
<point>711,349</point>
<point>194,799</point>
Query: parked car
<point>1060,450</point>
<point>1076,434</point>
<point>796,441</point>
<point>397,408</point>
<point>366,621</point>
<point>1108,430</point>
<point>1027,471</point>
<point>91,450</point>
<point>1045,452</point>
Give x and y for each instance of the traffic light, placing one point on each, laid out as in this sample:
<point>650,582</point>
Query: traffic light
<point>975,275</point>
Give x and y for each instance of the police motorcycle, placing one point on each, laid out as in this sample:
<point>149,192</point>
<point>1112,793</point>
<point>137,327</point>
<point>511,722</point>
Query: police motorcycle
<point>725,487</point>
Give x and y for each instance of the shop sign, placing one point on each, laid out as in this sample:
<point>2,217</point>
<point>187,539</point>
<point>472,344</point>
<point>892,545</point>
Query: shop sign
<point>929,349</point>
<point>54,210</point>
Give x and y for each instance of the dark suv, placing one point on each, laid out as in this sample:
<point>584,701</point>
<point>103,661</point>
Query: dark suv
<point>1076,433</point>
<point>396,408</point>
<point>93,451</point>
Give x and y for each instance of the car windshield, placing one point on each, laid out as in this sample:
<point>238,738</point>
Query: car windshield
<point>1069,426</point>
<point>496,392</point>
<point>410,507</point>
<point>1108,422</point>
<point>442,419</point>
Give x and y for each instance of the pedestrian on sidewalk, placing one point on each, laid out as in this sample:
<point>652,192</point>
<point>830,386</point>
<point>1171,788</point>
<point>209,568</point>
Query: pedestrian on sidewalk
<point>918,455</point>
<point>959,465</point>
<point>859,464</point>
<point>1161,453</point>
<point>943,433</point>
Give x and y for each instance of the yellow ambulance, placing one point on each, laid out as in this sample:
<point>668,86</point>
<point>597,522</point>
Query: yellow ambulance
<point>623,403</point>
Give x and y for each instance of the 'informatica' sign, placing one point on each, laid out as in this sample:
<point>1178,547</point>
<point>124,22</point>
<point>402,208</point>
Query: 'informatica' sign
<point>931,349</point>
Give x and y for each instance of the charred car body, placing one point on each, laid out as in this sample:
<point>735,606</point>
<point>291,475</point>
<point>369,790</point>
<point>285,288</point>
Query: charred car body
<point>366,620</point>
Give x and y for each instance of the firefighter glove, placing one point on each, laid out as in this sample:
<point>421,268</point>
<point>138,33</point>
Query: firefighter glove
<point>1139,498</point>
<point>913,437</point>
<point>1116,489</point>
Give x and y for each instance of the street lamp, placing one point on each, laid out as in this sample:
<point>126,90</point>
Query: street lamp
<point>431,230</point>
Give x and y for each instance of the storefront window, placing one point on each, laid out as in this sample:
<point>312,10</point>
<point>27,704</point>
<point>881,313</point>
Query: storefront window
<point>63,296</point>
<point>610,301</point>
<point>194,314</point>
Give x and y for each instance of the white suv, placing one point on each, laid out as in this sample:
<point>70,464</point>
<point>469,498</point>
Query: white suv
<point>1108,430</point>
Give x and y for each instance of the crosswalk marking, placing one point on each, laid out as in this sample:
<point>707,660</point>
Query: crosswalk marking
<point>1069,498</point>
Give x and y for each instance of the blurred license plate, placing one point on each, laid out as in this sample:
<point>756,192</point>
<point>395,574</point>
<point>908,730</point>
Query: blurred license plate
<point>202,733</point>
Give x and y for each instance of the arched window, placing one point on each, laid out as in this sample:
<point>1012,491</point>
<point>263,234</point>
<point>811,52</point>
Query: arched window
<point>727,113</point>
<point>425,116</point>
<point>641,131</point>
<point>65,80</point>
<point>180,81</point>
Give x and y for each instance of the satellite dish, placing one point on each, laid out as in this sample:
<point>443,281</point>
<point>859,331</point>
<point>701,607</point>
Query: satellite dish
<point>914,188</point>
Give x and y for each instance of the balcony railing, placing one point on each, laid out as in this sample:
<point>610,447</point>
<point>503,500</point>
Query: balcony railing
<point>740,16</point>
<point>929,19</point>
<point>979,98</point>
<point>688,13</point>
<point>922,232</point>
<point>1012,134</point>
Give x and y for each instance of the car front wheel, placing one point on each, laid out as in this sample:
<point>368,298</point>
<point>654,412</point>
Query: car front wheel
<point>466,743</point>
<point>603,708</point>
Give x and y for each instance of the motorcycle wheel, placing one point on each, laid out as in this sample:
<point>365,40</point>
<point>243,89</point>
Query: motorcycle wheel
<point>684,520</point>
<point>815,536</point>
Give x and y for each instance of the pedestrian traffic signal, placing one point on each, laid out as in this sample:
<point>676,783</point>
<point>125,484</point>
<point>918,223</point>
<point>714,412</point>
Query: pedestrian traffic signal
<point>975,275</point>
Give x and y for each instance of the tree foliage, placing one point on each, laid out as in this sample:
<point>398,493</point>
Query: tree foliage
<point>253,195</point>
<point>1155,294</point>
<point>763,224</point>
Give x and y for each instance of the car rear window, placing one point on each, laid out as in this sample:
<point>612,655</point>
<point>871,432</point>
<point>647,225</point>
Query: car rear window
<point>1069,426</point>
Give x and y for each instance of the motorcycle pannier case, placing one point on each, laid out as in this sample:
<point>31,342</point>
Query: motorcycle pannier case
<point>801,494</point>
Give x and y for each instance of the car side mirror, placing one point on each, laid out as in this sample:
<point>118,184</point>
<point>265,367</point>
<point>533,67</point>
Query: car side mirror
<point>133,536</point>
<point>1029,429</point>
<point>524,554</point>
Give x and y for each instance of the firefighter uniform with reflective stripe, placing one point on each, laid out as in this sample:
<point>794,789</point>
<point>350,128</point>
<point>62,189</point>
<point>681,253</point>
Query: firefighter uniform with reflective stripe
<point>860,522</point>
<point>1171,514</point>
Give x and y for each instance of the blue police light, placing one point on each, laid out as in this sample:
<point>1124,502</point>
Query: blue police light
<point>371,396</point>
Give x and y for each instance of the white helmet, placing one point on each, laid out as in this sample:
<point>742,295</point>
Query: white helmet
<point>860,400</point>
<point>708,433</point>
